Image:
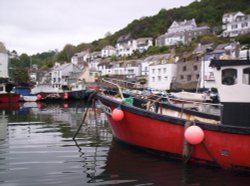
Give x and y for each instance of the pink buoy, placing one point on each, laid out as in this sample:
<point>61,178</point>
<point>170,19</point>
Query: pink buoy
<point>39,97</point>
<point>194,135</point>
<point>117,114</point>
<point>66,95</point>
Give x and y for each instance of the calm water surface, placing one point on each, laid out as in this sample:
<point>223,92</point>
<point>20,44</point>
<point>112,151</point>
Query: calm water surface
<point>36,148</point>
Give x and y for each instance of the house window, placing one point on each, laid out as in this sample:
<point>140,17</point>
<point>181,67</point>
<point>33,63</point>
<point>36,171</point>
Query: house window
<point>189,77</point>
<point>244,25</point>
<point>159,70</point>
<point>197,76</point>
<point>164,70</point>
<point>130,71</point>
<point>182,77</point>
<point>153,71</point>
<point>195,68</point>
<point>153,79</point>
<point>246,76</point>
<point>184,68</point>
<point>229,76</point>
<point>234,26</point>
<point>159,78</point>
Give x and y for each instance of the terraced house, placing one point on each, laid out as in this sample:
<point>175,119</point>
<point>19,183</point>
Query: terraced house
<point>235,23</point>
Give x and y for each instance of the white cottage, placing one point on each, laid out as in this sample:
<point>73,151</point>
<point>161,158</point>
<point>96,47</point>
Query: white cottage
<point>61,73</point>
<point>144,43</point>
<point>108,51</point>
<point>125,45</point>
<point>181,33</point>
<point>162,71</point>
<point>132,68</point>
<point>80,57</point>
<point>235,23</point>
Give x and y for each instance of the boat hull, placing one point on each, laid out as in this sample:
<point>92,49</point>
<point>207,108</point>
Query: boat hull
<point>9,98</point>
<point>51,96</point>
<point>77,94</point>
<point>224,146</point>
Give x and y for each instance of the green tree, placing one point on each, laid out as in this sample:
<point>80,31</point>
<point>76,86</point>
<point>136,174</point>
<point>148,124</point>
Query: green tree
<point>20,76</point>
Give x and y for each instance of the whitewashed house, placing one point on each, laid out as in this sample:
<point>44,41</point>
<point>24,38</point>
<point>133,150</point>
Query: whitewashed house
<point>132,68</point>
<point>104,68</point>
<point>235,23</point>
<point>117,68</point>
<point>204,54</point>
<point>181,33</point>
<point>125,45</point>
<point>61,73</point>
<point>95,55</point>
<point>89,75</point>
<point>80,57</point>
<point>108,51</point>
<point>145,65</point>
<point>144,43</point>
<point>94,64</point>
<point>4,60</point>
<point>174,38</point>
<point>162,72</point>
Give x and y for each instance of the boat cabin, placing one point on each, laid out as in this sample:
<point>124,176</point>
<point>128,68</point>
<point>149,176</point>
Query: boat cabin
<point>233,82</point>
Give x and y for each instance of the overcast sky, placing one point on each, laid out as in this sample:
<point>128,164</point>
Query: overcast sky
<point>35,26</point>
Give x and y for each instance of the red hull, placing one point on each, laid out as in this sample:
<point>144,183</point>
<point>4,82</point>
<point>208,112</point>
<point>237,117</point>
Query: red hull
<point>223,146</point>
<point>9,98</point>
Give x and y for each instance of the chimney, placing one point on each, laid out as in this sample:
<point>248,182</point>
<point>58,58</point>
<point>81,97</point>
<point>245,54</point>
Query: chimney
<point>237,50</point>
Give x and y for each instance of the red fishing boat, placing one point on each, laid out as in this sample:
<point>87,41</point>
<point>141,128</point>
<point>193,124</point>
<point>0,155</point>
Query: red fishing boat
<point>8,97</point>
<point>190,135</point>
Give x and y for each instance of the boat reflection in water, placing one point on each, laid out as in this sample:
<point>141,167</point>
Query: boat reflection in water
<point>131,166</point>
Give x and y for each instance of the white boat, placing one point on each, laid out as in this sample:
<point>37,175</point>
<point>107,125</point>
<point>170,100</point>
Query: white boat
<point>29,98</point>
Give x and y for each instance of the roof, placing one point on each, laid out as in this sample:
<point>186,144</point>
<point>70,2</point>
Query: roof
<point>183,23</point>
<point>124,38</point>
<point>231,13</point>
<point>109,47</point>
<point>67,68</point>
<point>160,59</point>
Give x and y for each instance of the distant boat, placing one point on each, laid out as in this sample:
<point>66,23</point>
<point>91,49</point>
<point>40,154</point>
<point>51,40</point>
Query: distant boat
<point>25,94</point>
<point>47,92</point>
<point>192,136</point>
<point>7,97</point>
<point>77,91</point>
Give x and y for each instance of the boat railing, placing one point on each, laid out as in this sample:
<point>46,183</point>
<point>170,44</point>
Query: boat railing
<point>200,106</point>
<point>181,103</point>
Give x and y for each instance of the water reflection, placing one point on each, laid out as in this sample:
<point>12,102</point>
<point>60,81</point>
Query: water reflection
<point>129,166</point>
<point>36,148</point>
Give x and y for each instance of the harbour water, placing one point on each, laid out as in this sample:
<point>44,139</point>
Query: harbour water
<point>36,148</point>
